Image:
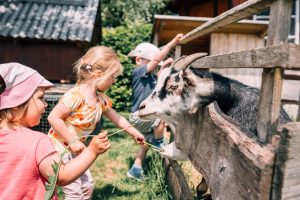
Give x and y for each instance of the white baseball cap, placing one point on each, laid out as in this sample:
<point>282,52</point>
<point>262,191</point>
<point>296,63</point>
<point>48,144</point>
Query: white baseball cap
<point>145,50</point>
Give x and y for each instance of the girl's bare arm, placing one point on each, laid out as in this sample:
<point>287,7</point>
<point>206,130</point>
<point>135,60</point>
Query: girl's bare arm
<point>122,123</point>
<point>71,171</point>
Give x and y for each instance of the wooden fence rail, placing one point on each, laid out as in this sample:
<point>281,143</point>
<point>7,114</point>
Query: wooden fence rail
<point>247,9</point>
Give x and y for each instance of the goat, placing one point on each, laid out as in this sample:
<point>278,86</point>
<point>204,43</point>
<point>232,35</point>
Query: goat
<point>182,89</point>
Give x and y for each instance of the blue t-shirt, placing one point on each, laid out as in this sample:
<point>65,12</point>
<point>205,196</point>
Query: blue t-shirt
<point>143,84</point>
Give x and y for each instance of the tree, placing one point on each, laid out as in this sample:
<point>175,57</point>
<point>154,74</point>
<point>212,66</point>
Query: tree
<point>118,12</point>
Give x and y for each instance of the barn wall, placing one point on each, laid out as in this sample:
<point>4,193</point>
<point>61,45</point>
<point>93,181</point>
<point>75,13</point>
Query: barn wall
<point>54,60</point>
<point>228,42</point>
<point>210,8</point>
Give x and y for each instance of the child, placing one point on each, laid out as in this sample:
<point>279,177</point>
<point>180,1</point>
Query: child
<point>80,109</point>
<point>147,58</point>
<point>26,155</point>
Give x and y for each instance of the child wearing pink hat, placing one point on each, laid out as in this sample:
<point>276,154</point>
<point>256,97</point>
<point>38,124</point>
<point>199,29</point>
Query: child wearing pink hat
<point>26,156</point>
<point>80,108</point>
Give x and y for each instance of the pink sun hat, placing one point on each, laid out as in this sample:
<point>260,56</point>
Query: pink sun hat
<point>18,83</point>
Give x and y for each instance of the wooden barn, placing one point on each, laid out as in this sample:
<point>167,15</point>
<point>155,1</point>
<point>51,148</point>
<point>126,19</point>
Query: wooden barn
<point>48,35</point>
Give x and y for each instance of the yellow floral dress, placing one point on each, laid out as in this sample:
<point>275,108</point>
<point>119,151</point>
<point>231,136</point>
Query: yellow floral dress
<point>82,118</point>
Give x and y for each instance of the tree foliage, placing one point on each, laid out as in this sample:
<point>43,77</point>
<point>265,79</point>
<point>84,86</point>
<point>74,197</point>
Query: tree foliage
<point>118,12</point>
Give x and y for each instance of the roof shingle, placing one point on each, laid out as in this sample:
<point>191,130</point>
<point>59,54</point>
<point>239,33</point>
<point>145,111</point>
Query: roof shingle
<point>67,20</point>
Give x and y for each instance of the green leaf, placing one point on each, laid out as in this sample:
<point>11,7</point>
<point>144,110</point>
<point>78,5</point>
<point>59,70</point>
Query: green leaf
<point>52,180</point>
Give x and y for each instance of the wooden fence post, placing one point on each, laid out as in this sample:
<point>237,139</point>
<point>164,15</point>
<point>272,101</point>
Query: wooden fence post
<point>298,116</point>
<point>270,94</point>
<point>286,183</point>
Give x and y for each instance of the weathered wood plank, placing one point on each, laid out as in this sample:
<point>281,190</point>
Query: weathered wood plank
<point>298,116</point>
<point>269,103</point>
<point>177,182</point>
<point>283,55</point>
<point>272,79</point>
<point>234,165</point>
<point>286,182</point>
<point>246,9</point>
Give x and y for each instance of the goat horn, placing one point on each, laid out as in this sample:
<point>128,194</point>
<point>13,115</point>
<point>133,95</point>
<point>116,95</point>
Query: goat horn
<point>177,62</point>
<point>185,61</point>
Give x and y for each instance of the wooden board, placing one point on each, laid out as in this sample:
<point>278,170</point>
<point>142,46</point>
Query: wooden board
<point>283,55</point>
<point>221,43</point>
<point>176,180</point>
<point>272,79</point>
<point>246,9</point>
<point>286,184</point>
<point>234,165</point>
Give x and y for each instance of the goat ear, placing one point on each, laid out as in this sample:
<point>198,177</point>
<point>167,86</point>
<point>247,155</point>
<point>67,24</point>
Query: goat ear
<point>194,106</point>
<point>193,110</point>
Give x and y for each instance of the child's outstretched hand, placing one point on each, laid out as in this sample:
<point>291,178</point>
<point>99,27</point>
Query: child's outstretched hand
<point>77,147</point>
<point>99,143</point>
<point>176,39</point>
<point>139,138</point>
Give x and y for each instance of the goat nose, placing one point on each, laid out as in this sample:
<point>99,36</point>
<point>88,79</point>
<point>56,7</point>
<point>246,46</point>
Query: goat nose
<point>142,106</point>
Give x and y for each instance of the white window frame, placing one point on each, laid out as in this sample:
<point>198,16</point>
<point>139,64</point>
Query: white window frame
<point>296,16</point>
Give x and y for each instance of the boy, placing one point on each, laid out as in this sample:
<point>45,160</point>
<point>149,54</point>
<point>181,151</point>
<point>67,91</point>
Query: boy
<point>147,58</point>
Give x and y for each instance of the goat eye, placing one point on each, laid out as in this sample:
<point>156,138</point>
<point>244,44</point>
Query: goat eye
<point>189,82</point>
<point>174,87</point>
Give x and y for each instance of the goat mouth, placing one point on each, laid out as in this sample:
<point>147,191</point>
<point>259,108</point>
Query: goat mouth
<point>147,115</point>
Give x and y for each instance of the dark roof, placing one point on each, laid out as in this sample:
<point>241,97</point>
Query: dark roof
<point>68,20</point>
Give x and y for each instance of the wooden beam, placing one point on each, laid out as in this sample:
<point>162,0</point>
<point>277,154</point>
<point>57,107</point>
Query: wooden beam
<point>177,51</point>
<point>298,116</point>
<point>284,55</point>
<point>177,182</point>
<point>286,184</point>
<point>246,9</point>
<point>272,79</point>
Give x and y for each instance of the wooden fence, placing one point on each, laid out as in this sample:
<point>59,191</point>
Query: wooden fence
<point>239,167</point>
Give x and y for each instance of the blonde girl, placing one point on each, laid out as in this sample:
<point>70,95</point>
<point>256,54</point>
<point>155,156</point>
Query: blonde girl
<point>26,155</point>
<point>81,107</point>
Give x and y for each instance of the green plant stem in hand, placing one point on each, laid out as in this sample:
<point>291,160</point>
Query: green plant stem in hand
<point>52,180</point>
<point>154,147</point>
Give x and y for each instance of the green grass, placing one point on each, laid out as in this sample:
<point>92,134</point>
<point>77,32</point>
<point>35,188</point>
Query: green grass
<point>109,172</point>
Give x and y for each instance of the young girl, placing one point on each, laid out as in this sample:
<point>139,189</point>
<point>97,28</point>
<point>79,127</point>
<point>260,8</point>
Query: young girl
<point>25,155</point>
<point>81,107</point>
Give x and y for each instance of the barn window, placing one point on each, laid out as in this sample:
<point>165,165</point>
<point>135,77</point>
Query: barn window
<point>294,28</point>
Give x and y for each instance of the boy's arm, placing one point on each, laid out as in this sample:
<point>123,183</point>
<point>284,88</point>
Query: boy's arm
<point>122,123</point>
<point>163,53</point>
<point>165,65</point>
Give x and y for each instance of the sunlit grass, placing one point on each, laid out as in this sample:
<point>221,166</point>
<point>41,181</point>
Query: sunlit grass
<point>109,172</point>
